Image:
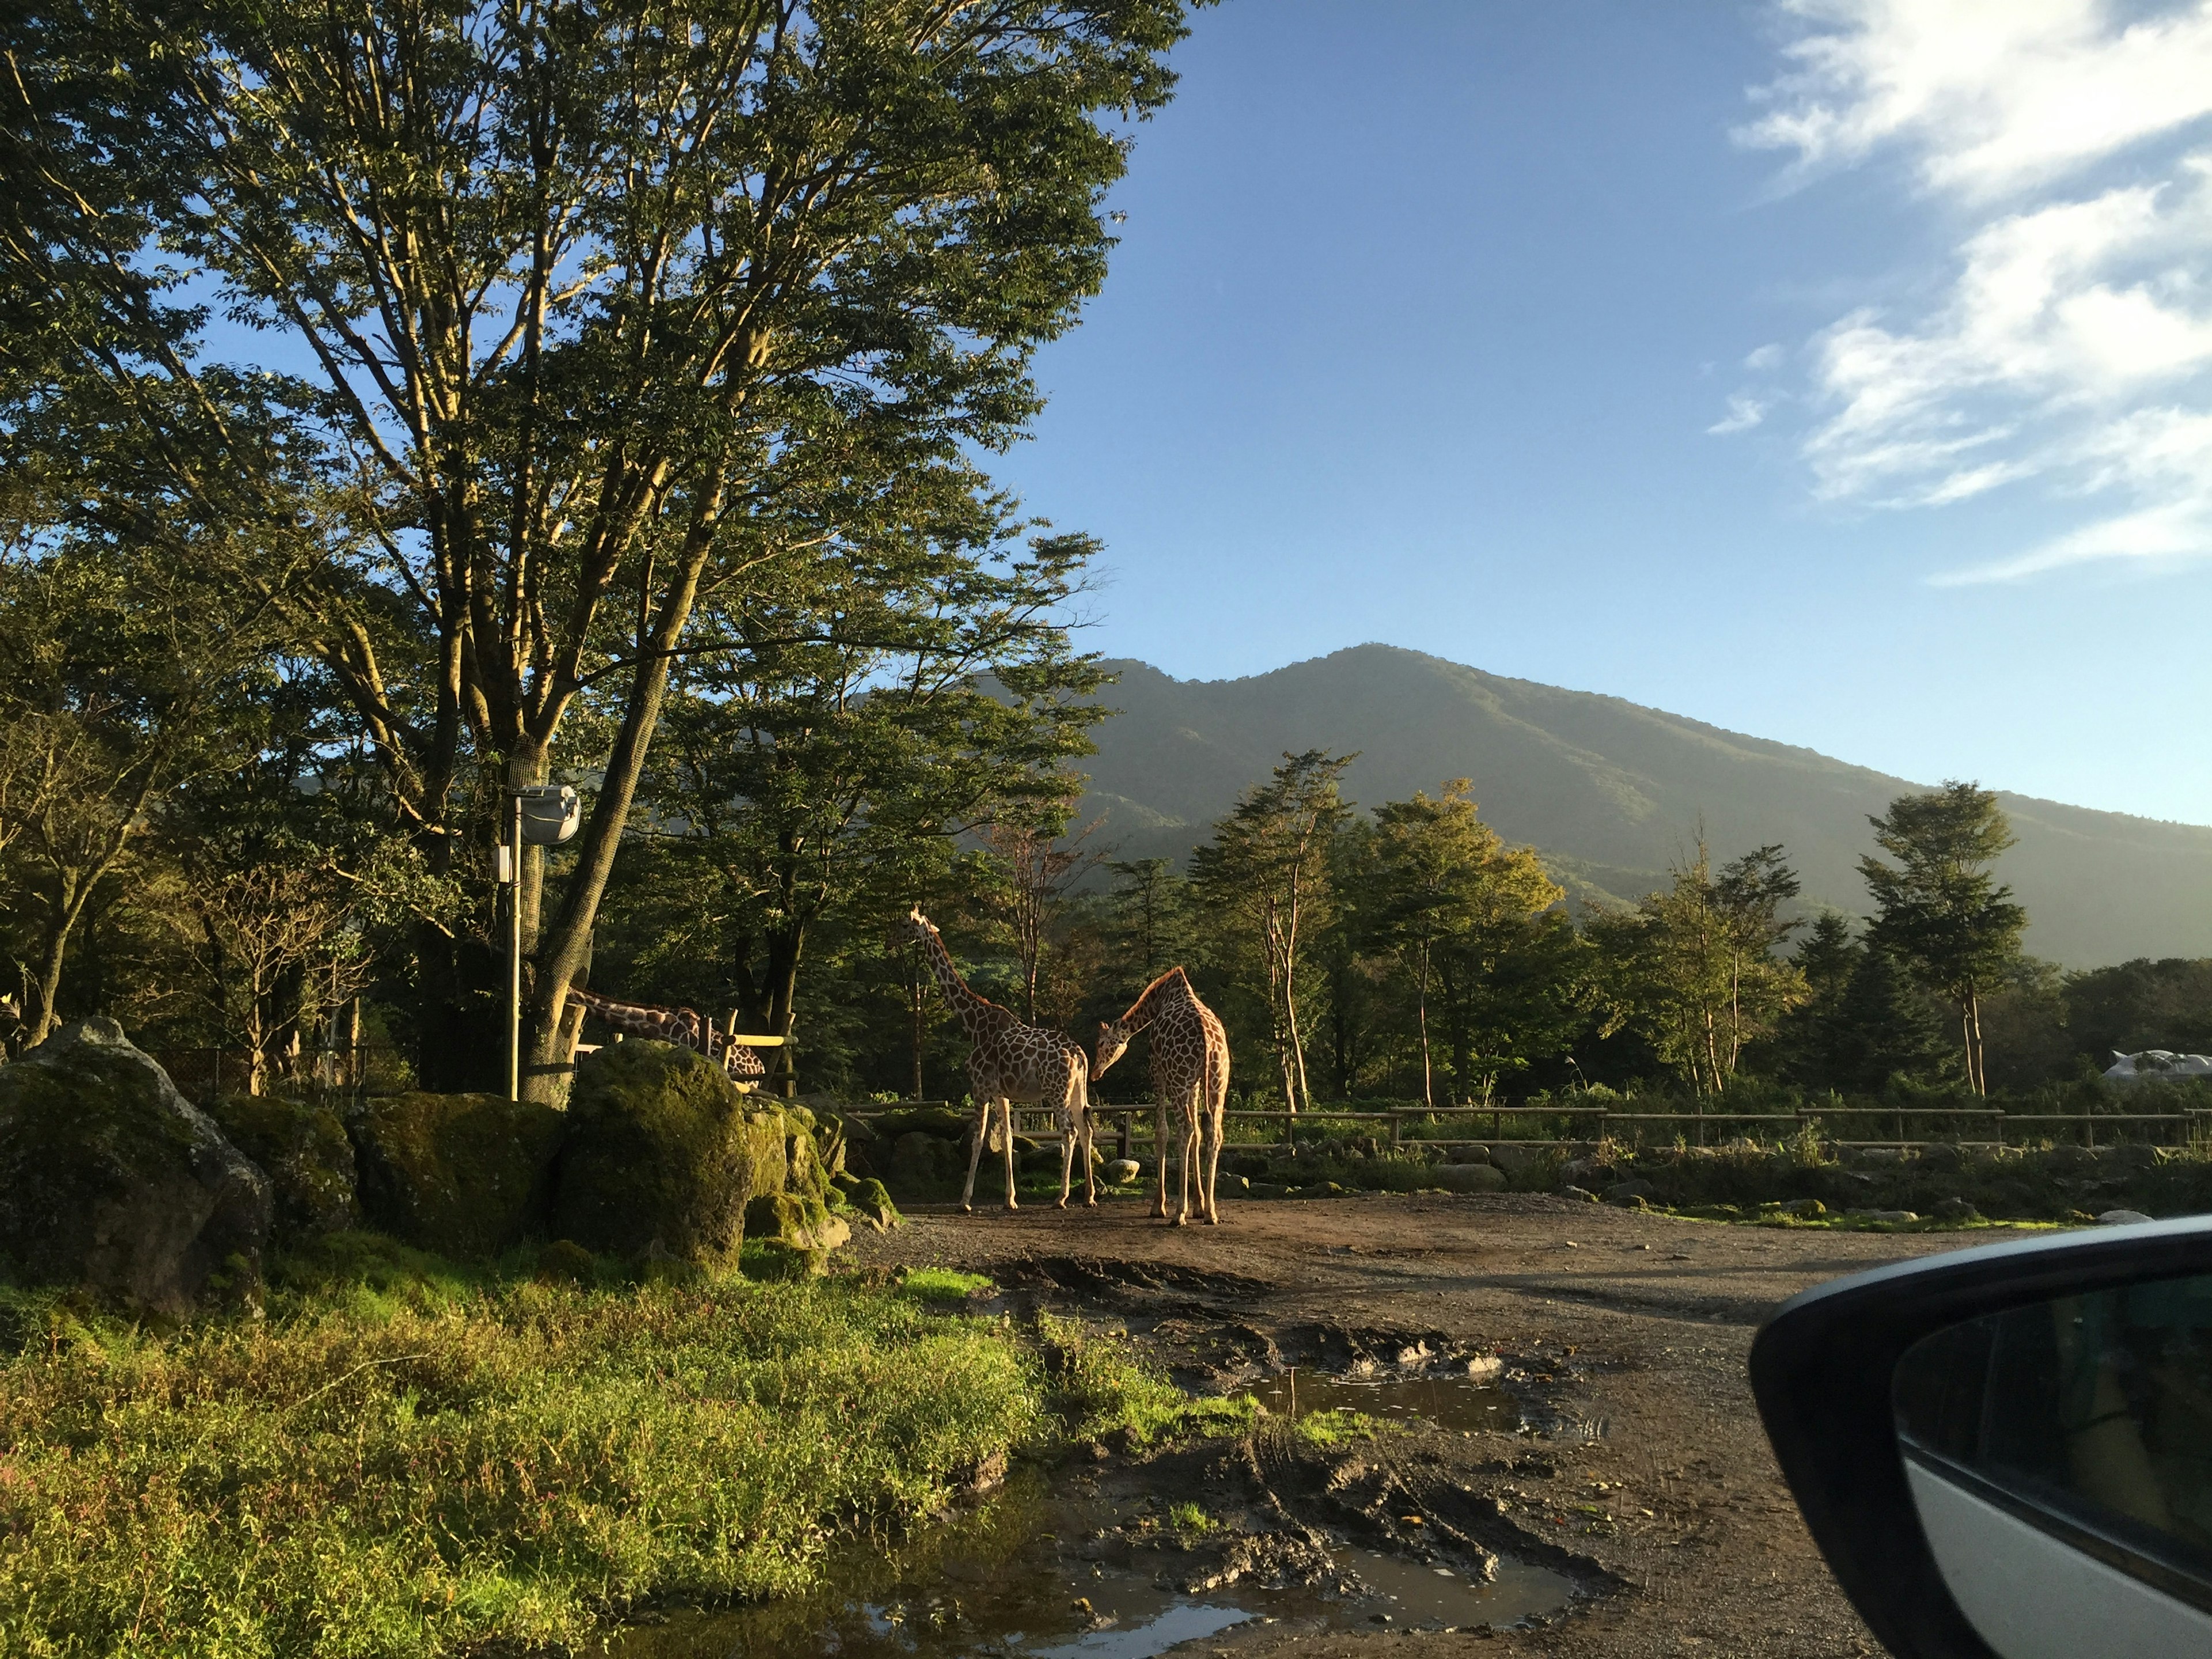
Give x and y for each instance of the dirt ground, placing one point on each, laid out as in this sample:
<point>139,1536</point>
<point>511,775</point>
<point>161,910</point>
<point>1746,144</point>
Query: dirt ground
<point>1624,1334</point>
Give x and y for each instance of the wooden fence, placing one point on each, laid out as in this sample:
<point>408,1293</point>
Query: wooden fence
<point>1127,1123</point>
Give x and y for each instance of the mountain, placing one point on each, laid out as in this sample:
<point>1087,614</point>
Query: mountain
<point>1610,792</point>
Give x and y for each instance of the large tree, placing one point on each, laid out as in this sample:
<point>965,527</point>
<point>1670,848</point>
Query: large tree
<point>859,718</point>
<point>590,313</point>
<point>1266,872</point>
<point>1938,909</point>
<point>1693,968</point>
<point>1440,889</point>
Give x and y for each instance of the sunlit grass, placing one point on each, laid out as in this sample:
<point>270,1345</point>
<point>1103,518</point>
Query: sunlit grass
<point>405,1459</point>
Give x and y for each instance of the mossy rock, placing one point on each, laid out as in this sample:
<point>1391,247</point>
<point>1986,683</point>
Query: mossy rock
<point>773,1260</point>
<point>564,1261</point>
<point>869,1197</point>
<point>922,1166</point>
<point>799,1219</point>
<point>111,1180</point>
<point>465,1176</point>
<point>304,1152</point>
<point>939,1120</point>
<point>663,1154</point>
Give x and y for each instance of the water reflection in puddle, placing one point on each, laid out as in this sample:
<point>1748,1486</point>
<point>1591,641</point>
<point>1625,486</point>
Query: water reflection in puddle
<point>1457,1403</point>
<point>1046,1572</point>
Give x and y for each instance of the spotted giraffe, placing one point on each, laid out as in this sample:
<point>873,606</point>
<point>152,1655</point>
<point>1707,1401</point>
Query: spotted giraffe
<point>681,1026</point>
<point>1009,1062</point>
<point>1190,1073</point>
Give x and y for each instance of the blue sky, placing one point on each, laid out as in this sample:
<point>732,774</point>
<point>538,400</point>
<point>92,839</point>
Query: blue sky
<point>1838,372</point>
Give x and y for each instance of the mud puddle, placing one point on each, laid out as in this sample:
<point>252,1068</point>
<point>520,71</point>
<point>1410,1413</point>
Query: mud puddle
<point>1074,1564</point>
<point>1457,1403</point>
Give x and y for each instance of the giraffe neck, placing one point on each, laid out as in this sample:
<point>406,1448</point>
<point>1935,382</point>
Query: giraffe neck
<point>1166,992</point>
<point>965,1003</point>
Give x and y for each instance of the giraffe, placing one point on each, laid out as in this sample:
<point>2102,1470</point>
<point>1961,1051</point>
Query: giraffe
<point>1009,1062</point>
<point>681,1026</point>
<point>1190,1072</point>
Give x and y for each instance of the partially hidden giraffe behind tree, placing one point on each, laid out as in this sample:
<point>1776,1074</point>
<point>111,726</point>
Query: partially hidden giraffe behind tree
<point>1012,1062</point>
<point>681,1026</point>
<point>1190,1076</point>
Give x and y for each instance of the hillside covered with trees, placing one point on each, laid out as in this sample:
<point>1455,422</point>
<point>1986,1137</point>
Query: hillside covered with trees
<point>1612,794</point>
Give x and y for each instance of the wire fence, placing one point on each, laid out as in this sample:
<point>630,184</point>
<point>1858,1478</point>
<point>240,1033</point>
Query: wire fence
<point>330,1077</point>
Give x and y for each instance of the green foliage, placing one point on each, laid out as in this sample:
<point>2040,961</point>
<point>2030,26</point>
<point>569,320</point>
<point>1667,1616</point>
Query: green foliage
<point>1693,968</point>
<point>1341,1425</point>
<point>1102,1385</point>
<point>1265,876</point>
<point>735,344</point>
<point>1938,906</point>
<point>405,1459</point>
<point>1433,884</point>
<point>941,1283</point>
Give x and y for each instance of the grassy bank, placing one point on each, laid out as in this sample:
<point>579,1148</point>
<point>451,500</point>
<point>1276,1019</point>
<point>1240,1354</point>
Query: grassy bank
<point>403,1459</point>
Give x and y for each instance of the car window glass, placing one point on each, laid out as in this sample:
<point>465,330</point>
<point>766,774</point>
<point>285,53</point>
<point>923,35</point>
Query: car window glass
<point>2094,1409</point>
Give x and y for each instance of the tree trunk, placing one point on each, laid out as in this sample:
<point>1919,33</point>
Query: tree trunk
<point>785,949</point>
<point>916,992</point>
<point>71,894</point>
<point>1428,1088</point>
<point>565,945</point>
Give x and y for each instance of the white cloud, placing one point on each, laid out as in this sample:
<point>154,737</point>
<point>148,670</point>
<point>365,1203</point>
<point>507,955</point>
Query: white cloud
<point>1995,94</point>
<point>2073,342</point>
<point>1767,356</point>
<point>1745,412</point>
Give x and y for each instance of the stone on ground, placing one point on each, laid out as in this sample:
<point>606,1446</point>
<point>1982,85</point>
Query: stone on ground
<point>664,1154</point>
<point>1469,1177</point>
<point>2120,1218</point>
<point>464,1175</point>
<point>1120,1171</point>
<point>110,1179</point>
<point>304,1152</point>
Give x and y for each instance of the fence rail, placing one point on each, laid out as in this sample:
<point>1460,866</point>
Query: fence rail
<point>1131,1122</point>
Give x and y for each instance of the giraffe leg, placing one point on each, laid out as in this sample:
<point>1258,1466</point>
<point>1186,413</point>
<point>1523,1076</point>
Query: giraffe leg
<point>1215,1130</point>
<point>1089,1160</point>
<point>1160,1158</point>
<point>976,1155</point>
<point>1067,1154</point>
<point>1006,1122</point>
<point>1189,1122</point>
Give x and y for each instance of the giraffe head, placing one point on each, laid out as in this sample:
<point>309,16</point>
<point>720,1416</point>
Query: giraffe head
<point>917,927</point>
<point>1114,1036</point>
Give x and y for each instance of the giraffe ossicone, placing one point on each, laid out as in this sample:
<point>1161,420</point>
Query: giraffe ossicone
<point>1190,1076</point>
<point>1011,1063</point>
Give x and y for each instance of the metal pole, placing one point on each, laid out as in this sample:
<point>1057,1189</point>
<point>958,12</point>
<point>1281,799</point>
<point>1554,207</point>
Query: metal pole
<point>514,958</point>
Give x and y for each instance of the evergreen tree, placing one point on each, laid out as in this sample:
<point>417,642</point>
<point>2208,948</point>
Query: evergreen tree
<point>1938,910</point>
<point>1267,873</point>
<point>1882,1027</point>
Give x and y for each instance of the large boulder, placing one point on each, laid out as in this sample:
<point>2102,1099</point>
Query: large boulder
<point>304,1152</point>
<point>111,1179</point>
<point>462,1174</point>
<point>1469,1177</point>
<point>664,1154</point>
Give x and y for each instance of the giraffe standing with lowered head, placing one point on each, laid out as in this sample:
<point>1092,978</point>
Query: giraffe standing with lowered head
<point>1190,1074</point>
<point>1009,1062</point>
<point>681,1026</point>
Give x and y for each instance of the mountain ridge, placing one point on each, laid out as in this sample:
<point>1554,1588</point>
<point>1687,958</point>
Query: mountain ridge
<point>1609,791</point>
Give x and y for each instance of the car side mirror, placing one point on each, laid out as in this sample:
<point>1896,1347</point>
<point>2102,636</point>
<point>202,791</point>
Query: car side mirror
<point>2006,1453</point>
